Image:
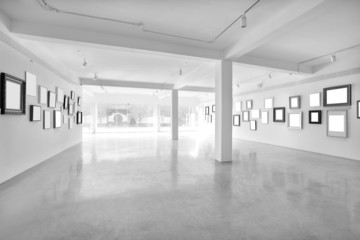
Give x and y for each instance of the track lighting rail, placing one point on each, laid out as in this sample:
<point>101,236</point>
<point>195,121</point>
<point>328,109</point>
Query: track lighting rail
<point>46,6</point>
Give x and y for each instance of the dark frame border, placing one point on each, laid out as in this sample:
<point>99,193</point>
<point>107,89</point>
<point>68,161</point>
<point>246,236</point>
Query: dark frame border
<point>54,120</point>
<point>255,125</point>
<point>66,102</point>
<point>283,114</point>
<point>213,108</point>
<point>358,109</point>
<point>49,103</point>
<point>239,116</point>
<point>32,113</point>
<point>6,77</point>
<point>207,110</point>
<point>320,116</point>
<point>79,117</point>
<point>348,103</point>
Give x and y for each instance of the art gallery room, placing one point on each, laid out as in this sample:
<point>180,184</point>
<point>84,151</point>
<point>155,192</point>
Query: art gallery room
<point>189,120</point>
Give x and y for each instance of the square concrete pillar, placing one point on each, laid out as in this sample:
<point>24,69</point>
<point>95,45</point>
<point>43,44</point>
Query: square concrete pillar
<point>174,114</point>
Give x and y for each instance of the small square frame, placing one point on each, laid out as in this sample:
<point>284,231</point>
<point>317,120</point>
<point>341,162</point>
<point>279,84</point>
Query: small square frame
<point>253,125</point>
<point>236,120</point>
<point>336,133</point>
<point>246,116</point>
<point>319,117</point>
<point>300,116</point>
<point>249,104</point>
<point>275,110</point>
<point>295,102</point>
<point>33,116</point>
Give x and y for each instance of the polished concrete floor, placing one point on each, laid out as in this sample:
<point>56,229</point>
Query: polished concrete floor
<point>140,186</point>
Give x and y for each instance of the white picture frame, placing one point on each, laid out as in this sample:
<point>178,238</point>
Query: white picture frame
<point>59,95</point>
<point>337,123</point>
<point>246,116</point>
<point>249,104</point>
<point>30,84</point>
<point>295,120</point>
<point>253,125</point>
<point>237,106</point>
<point>255,114</point>
<point>315,100</point>
<point>268,103</point>
<point>43,98</point>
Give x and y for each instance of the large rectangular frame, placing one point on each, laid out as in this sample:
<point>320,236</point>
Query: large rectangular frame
<point>22,110</point>
<point>325,95</point>
<point>337,133</point>
<point>57,122</point>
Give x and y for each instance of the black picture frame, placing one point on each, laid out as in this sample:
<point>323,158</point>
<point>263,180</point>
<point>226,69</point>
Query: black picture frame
<point>283,109</point>
<point>57,119</point>
<point>358,109</point>
<point>236,123</point>
<point>35,113</point>
<point>207,110</point>
<point>4,79</point>
<point>348,97</point>
<point>79,101</point>
<point>66,102</point>
<point>319,121</point>
<point>213,108</point>
<point>51,99</point>
<point>79,117</point>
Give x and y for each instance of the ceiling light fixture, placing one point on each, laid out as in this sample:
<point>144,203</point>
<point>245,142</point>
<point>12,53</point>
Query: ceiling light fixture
<point>333,58</point>
<point>243,21</point>
<point>180,72</point>
<point>269,76</point>
<point>238,85</point>
<point>84,64</point>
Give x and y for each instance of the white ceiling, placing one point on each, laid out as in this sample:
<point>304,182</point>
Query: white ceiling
<point>200,19</point>
<point>322,28</point>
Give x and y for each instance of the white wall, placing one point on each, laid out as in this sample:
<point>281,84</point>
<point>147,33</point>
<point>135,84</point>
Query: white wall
<point>24,144</point>
<point>312,137</point>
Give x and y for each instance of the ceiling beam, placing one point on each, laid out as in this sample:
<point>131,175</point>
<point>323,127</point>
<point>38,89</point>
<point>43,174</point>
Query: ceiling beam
<point>127,84</point>
<point>275,65</point>
<point>43,31</point>
<point>283,21</point>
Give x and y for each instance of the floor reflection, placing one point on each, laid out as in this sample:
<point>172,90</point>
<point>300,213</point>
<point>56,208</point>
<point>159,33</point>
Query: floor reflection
<point>143,186</point>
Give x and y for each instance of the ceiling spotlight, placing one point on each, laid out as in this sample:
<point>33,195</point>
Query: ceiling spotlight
<point>96,77</point>
<point>180,72</point>
<point>333,58</point>
<point>269,76</point>
<point>238,85</point>
<point>84,64</point>
<point>243,21</point>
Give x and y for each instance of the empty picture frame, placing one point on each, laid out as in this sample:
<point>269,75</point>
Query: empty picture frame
<point>12,92</point>
<point>315,100</point>
<point>294,102</point>
<point>279,114</point>
<point>268,103</point>
<point>66,102</point>
<point>51,99</point>
<point>46,119</point>
<point>249,104</point>
<point>65,119</point>
<point>79,102</point>
<point>337,96</point>
<point>236,120</point>
<point>358,109</point>
<point>30,84</point>
<point>209,119</point>
<point>337,123</point>
<point>295,120</point>
<point>246,116</point>
<point>207,110</point>
<point>71,122</point>
<point>43,99</point>
<point>79,118</point>
<point>253,125</point>
<point>255,114</point>
<point>265,117</point>
<point>212,108</point>
<point>71,108</point>
<point>72,95</point>
<point>57,119</point>
<point>238,106</point>
<point>59,95</point>
<point>315,117</point>
<point>35,113</point>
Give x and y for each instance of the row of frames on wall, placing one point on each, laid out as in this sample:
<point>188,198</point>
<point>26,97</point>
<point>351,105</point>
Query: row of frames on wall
<point>64,109</point>
<point>336,98</point>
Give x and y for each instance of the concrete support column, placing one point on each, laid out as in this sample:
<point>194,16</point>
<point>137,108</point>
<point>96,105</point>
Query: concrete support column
<point>174,114</point>
<point>94,118</point>
<point>156,117</point>
<point>223,113</point>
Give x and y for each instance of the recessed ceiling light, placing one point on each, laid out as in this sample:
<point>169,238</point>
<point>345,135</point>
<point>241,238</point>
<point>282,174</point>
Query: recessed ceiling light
<point>333,58</point>
<point>84,64</point>
<point>243,21</point>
